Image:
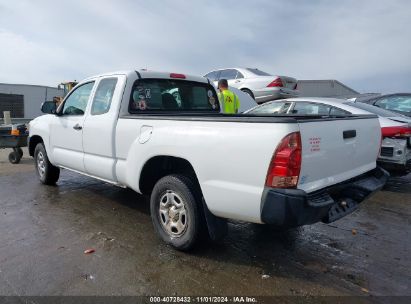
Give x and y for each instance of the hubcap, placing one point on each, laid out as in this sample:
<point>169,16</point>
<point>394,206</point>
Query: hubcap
<point>41,166</point>
<point>173,216</point>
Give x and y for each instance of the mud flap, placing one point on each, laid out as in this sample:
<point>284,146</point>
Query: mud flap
<point>217,226</point>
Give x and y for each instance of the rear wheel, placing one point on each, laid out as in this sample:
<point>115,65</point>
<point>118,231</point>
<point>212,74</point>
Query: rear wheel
<point>14,157</point>
<point>248,92</point>
<point>47,173</point>
<point>176,212</point>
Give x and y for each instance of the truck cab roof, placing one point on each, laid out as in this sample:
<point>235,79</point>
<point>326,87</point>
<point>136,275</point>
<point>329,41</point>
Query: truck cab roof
<point>143,73</point>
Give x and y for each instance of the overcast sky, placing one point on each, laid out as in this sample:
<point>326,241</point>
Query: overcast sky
<point>364,43</point>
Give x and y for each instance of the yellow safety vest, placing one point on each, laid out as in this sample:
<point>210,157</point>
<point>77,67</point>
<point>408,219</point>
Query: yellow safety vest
<point>230,102</point>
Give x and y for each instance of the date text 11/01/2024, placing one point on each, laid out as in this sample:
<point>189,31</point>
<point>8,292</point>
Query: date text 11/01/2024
<point>175,299</point>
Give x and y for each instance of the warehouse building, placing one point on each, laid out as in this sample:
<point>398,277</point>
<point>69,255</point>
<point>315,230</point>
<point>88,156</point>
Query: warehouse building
<point>325,88</point>
<point>23,100</point>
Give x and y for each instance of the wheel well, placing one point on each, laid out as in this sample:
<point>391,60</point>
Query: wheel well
<point>160,166</point>
<point>245,89</point>
<point>34,140</point>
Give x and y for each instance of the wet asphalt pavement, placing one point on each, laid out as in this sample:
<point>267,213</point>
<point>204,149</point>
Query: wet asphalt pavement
<point>45,230</point>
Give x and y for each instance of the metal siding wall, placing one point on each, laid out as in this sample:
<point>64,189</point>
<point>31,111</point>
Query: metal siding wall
<point>13,103</point>
<point>323,88</point>
<point>34,96</point>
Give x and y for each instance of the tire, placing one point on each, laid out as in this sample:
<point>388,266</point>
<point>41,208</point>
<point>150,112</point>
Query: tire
<point>14,157</point>
<point>20,151</point>
<point>47,173</point>
<point>247,91</point>
<point>176,211</point>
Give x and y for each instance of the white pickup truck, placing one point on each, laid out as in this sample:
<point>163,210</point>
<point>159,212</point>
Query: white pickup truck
<point>162,134</point>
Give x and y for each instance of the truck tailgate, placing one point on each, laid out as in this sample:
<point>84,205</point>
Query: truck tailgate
<point>336,150</point>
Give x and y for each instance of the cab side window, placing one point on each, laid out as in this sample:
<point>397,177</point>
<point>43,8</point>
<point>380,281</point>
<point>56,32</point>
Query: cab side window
<point>76,103</point>
<point>103,96</point>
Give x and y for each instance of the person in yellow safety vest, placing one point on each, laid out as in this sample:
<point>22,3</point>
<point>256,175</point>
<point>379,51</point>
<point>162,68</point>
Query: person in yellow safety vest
<point>229,101</point>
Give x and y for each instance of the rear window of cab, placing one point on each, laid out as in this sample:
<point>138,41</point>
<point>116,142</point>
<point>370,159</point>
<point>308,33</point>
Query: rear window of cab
<point>164,95</point>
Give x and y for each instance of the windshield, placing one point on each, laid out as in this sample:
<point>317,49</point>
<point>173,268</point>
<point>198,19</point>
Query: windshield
<point>172,95</point>
<point>395,103</point>
<point>373,109</point>
<point>258,72</point>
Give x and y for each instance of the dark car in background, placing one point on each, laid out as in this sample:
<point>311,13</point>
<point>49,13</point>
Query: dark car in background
<point>399,102</point>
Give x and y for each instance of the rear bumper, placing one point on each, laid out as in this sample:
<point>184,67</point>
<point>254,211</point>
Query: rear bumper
<point>267,94</point>
<point>294,207</point>
<point>395,165</point>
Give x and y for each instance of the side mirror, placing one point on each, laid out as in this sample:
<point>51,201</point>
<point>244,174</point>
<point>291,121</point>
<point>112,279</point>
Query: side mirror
<point>49,107</point>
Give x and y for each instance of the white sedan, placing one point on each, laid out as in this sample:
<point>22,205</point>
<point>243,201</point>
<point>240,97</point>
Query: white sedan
<point>260,85</point>
<point>396,131</point>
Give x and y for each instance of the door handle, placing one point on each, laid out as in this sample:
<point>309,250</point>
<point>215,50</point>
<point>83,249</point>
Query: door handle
<point>349,134</point>
<point>77,127</point>
<point>237,81</point>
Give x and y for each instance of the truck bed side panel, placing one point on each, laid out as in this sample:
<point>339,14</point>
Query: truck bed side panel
<point>230,158</point>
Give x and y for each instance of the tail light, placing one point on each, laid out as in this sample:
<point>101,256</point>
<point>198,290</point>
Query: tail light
<point>285,165</point>
<point>396,132</point>
<point>276,83</point>
<point>175,75</point>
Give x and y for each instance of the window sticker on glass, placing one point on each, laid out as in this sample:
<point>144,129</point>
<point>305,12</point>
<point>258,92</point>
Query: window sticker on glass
<point>142,105</point>
<point>148,93</point>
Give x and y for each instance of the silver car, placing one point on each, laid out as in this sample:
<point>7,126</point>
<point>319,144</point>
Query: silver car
<point>395,150</point>
<point>258,84</point>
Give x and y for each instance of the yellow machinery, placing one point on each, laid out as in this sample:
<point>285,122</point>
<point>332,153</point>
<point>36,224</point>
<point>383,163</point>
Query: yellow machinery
<point>52,106</point>
<point>66,87</point>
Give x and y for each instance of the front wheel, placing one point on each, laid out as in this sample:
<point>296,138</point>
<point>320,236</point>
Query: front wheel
<point>175,207</point>
<point>47,173</point>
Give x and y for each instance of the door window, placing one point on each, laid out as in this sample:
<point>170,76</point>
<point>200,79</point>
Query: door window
<point>103,96</point>
<point>76,102</point>
<point>228,74</point>
<point>213,76</point>
<point>337,111</point>
<point>239,75</point>
<point>272,108</point>
<point>309,108</point>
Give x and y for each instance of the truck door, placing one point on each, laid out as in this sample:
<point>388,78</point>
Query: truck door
<point>66,134</point>
<point>99,127</point>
